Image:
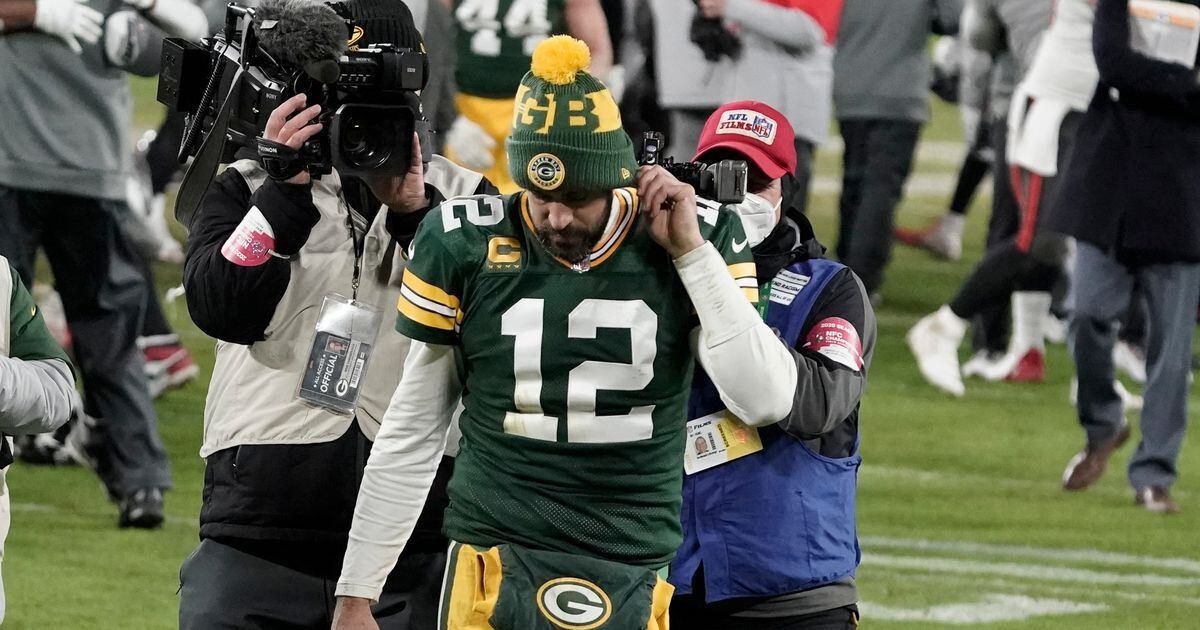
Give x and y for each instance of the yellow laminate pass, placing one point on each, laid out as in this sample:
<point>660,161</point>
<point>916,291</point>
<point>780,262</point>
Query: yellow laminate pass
<point>717,439</point>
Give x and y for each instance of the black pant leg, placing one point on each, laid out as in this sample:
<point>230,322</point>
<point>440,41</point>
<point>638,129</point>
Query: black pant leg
<point>99,278</point>
<point>854,170</point>
<point>22,232</point>
<point>227,589</point>
<point>154,324</point>
<point>163,154</point>
<point>890,146</point>
<point>803,174</point>
<point>412,603</point>
<point>970,175</point>
<point>1006,214</point>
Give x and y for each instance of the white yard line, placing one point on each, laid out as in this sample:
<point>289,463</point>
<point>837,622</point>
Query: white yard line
<point>918,185</point>
<point>998,584</point>
<point>991,609</point>
<point>928,151</point>
<point>1026,571</point>
<point>1090,556</point>
<point>192,523</point>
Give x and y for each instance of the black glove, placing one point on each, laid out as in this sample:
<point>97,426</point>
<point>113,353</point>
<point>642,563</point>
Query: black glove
<point>279,160</point>
<point>714,40</point>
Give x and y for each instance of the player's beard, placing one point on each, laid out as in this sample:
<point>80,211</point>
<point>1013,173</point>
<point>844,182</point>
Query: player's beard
<point>573,243</point>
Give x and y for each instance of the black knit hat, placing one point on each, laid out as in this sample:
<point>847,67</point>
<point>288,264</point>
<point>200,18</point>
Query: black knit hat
<point>385,22</point>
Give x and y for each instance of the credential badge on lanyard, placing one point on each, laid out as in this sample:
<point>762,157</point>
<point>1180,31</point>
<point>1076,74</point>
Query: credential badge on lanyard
<point>341,351</point>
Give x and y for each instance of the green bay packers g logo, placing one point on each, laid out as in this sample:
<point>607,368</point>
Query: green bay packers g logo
<point>546,171</point>
<point>574,604</point>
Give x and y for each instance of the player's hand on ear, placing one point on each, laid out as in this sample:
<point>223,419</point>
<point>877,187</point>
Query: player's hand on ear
<point>671,206</point>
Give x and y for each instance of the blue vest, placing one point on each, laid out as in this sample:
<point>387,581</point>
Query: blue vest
<point>780,520</point>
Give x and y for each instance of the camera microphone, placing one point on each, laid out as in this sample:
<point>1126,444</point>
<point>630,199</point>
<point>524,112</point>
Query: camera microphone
<point>303,34</point>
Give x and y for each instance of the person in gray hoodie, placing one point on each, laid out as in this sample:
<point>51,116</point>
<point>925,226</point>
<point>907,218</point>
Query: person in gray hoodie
<point>786,60</point>
<point>880,92</point>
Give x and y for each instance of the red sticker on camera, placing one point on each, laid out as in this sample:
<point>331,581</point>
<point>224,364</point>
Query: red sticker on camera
<point>837,340</point>
<point>251,243</point>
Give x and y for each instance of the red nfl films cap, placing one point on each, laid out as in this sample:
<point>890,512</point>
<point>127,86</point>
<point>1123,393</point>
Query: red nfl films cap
<point>755,130</point>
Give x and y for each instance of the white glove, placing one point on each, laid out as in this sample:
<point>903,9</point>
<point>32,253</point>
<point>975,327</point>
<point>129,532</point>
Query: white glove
<point>616,82</point>
<point>470,145</point>
<point>70,20</point>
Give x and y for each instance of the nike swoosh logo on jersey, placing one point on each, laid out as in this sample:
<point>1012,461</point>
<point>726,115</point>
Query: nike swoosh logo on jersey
<point>738,247</point>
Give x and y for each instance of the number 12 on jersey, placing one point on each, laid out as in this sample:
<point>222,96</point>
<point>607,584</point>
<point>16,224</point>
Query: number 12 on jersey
<point>524,322</point>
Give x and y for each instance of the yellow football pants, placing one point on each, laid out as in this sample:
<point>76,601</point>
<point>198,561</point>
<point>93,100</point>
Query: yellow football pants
<point>474,585</point>
<point>495,116</point>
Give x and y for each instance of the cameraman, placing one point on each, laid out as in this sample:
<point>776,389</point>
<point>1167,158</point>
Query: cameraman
<point>769,536</point>
<point>282,475</point>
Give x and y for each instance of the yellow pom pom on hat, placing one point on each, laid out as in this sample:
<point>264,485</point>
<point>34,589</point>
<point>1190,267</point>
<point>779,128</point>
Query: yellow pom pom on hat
<point>559,58</point>
<point>566,132</point>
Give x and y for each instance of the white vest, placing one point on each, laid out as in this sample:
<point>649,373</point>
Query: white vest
<point>252,396</point>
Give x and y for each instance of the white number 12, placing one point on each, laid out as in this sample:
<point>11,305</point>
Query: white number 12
<point>523,322</point>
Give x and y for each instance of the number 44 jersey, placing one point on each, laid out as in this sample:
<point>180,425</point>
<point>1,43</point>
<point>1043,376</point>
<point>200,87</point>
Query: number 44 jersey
<point>575,381</point>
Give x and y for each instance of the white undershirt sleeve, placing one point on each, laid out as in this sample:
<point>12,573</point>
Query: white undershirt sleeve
<point>751,367</point>
<point>401,468</point>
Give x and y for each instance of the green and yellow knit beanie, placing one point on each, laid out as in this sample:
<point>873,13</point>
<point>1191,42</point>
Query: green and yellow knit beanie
<point>566,132</point>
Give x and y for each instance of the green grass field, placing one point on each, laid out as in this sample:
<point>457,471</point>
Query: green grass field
<point>960,512</point>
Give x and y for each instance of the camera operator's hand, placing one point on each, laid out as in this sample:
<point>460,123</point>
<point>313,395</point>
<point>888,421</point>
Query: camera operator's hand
<point>406,193</point>
<point>353,613</point>
<point>671,205</point>
<point>70,21</point>
<point>291,129</point>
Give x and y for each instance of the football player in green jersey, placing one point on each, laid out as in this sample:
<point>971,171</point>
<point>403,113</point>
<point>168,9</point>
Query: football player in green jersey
<point>565,319</point>
<point>495,39</point>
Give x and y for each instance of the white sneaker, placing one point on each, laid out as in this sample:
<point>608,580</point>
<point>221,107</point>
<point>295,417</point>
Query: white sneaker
<point>1131,360</point>
<point>1054,329</point>
<point>989,366</point>
<point>945,239</point>
<point>1130,402</point>
<point>934,341</point>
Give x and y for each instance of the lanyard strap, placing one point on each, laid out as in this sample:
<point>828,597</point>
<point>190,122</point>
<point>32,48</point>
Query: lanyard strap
<point>358,254</point>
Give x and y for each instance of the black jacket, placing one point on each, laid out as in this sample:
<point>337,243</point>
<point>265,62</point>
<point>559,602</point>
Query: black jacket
<point>1133,185</point>
<point>289,503</point>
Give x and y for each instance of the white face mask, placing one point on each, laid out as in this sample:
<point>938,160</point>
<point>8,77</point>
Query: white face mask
<point>758,217</point>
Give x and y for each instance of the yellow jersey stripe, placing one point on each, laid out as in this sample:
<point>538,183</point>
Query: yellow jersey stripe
<point>429,291</point>
<point>743,270</point>
<point>424,317</point>
<point>751,294</point>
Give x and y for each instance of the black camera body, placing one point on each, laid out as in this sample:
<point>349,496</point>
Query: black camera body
<point>723,182</point>
<point>368,97</point>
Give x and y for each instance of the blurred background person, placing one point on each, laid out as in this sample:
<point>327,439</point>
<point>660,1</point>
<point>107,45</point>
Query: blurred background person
<point>962,76</point>
<point>1025,263</point>
<point>786,59</point>
<point>36,380</point>
<point>64,162</point>
<point>1132,202</point>
<point>880,93</point>
<point>496,39</point>
<point>691,57</point>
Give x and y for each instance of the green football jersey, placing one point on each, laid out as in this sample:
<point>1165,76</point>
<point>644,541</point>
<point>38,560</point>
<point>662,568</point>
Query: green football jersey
<point>496,39</point>
<point>575,382</point>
